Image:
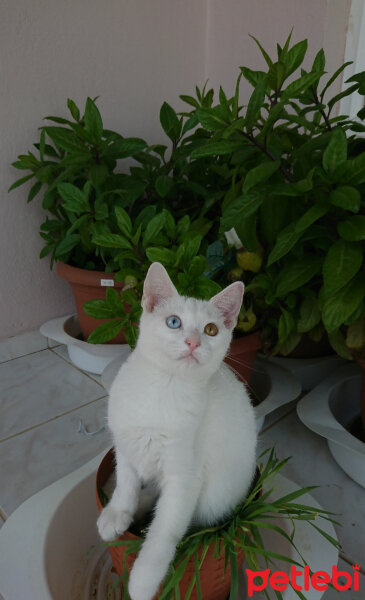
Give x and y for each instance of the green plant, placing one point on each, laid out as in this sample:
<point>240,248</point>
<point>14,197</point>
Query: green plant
<point>76,173</point>
<point>152,236</point>
<point>241,531</point>
<point>295,182</point>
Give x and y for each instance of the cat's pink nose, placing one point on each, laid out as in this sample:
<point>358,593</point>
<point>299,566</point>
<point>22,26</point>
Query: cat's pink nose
<point>192,343</point>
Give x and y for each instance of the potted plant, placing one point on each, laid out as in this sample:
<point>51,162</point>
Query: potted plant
<point>207,561</point>
<point>76,171</point>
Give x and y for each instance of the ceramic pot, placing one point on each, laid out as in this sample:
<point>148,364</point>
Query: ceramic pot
<point>89,285</point>
<point>241,355</point>
<point>214,579</point>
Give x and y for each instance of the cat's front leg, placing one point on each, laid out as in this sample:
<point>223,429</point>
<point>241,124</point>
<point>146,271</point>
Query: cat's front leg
<point>117,515</point>
<point>174,512</point>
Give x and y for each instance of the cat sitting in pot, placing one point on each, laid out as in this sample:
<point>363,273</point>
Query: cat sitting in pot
<point>183,426</point>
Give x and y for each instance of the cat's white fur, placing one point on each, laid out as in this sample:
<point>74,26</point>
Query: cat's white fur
<point>182,424</point>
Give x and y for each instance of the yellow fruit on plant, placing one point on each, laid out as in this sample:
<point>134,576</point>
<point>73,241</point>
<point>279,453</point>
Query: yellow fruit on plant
<point>130,281</point>
<point>249,261</point>
<point>235,274</point>
<point>248,322</point>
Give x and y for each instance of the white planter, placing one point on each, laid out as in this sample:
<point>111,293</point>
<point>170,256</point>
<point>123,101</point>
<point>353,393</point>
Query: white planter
<point>328,408</point>
<point>309,371</point>
<point>270,383</point>
<point>50,549</point>
<point>89,357</point>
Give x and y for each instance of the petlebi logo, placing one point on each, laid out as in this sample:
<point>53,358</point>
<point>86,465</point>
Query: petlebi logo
<point>257,581</point>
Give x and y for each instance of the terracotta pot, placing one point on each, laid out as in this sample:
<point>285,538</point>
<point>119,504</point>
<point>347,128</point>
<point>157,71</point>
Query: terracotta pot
<point>215,583</point>
<point>241,355</point>
<point>89,285</point>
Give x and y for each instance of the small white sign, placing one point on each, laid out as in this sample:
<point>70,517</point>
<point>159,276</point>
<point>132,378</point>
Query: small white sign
<point>107,282</point>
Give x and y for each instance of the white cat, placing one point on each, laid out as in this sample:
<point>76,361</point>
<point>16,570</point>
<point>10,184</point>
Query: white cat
<point>182,424</point>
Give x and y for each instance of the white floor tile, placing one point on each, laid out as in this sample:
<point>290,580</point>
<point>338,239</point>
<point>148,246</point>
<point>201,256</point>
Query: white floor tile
<point>40,456</point>
<point>39,387</point>
<point>312,464</point>
<point>22,344</point>
<point>63,353</point>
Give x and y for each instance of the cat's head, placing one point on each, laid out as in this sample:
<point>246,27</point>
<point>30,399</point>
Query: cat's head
<point>185,335</point>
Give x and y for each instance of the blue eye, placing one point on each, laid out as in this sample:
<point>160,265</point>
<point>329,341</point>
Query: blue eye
<point>173,322</point>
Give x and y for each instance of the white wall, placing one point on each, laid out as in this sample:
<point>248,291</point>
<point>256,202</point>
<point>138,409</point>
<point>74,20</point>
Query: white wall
<point>134,54</point>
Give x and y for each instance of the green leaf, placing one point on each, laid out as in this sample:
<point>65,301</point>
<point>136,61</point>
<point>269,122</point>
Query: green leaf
<point>341,305</point>
<point>164,185</point>
<point>285,326</point>
<point>124,147</point>
<point>286,239</point>
<point>170,122</point>
<point>111,240</point>
<point>105,332</point>
<point>336,152</point>
<point>98,309</point>
<point>93,122</point>
<point>253,77</point>
<point>342,262</point>
<point>297,274</point>
<point>131,335</point>
<point>255,103</point>
<point>124,222</point>
<point>74,199</point>
<point>294,89</point>
<point>313,214</point>
<point>34,190</point>
<point>163,255</point>
<point>260,174</point>
<point>213,148</point>
<point>66,245</point>
<point>310,314</point>
<point>20,181</point>
<point>337,341</point>
<point>115,303</point>
<point>73,109</point>
<point>66,139</point>
<point>211,118</point>
<point>346,197</point>
<point>191,245</point>
<point>153,228</point>
<point>353,229</point>
<point>246,231</point>
<point>241,208</point>
<point>189,100</point>
<point>263,52</point>
<point>334,77</point>
<point>295,57</point>
<point>353,170</point>
<point>319,63</point>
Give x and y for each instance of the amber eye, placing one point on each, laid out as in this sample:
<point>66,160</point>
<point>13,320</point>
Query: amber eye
<point>211,329</point>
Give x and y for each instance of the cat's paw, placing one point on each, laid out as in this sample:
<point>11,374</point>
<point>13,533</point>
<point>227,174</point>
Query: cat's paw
<point>112,523</point>
<point>142,582</point>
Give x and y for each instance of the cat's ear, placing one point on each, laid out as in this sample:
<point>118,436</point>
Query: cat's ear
<point>229,302</point>
<point>157,287</point>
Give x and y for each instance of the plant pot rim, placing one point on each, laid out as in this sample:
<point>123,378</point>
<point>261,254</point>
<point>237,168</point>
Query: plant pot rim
<point>84,276</point>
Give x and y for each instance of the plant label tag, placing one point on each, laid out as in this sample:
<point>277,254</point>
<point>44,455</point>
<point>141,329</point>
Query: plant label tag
<point>107,282</point>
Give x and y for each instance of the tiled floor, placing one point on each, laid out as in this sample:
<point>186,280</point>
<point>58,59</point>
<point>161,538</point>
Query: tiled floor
<point>43,397</point>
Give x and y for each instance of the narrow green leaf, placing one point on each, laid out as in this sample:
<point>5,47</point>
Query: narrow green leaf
<point>310,314</point>
<point>255,103</point>
<point>341,305</point>
<point>346,197</point>
<point>74,199</point>
<point>263,52</point>
<point>124,221</point>
<point>297,274</point>
<point>310,216</point>
<point>170,122</point>
<point>286,239</point>
<point>111,240</point>
<point>241,208</point>
<point>93,121</point>
<point>66,245</point>
<point>98,309</point>
<point>20,181</point>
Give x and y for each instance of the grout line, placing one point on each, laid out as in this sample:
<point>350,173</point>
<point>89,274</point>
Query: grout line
<point>348,560</point>
<point>3,515</point>
<point>52,419</point>
<point>69,362</point>
<point>23,355</point>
